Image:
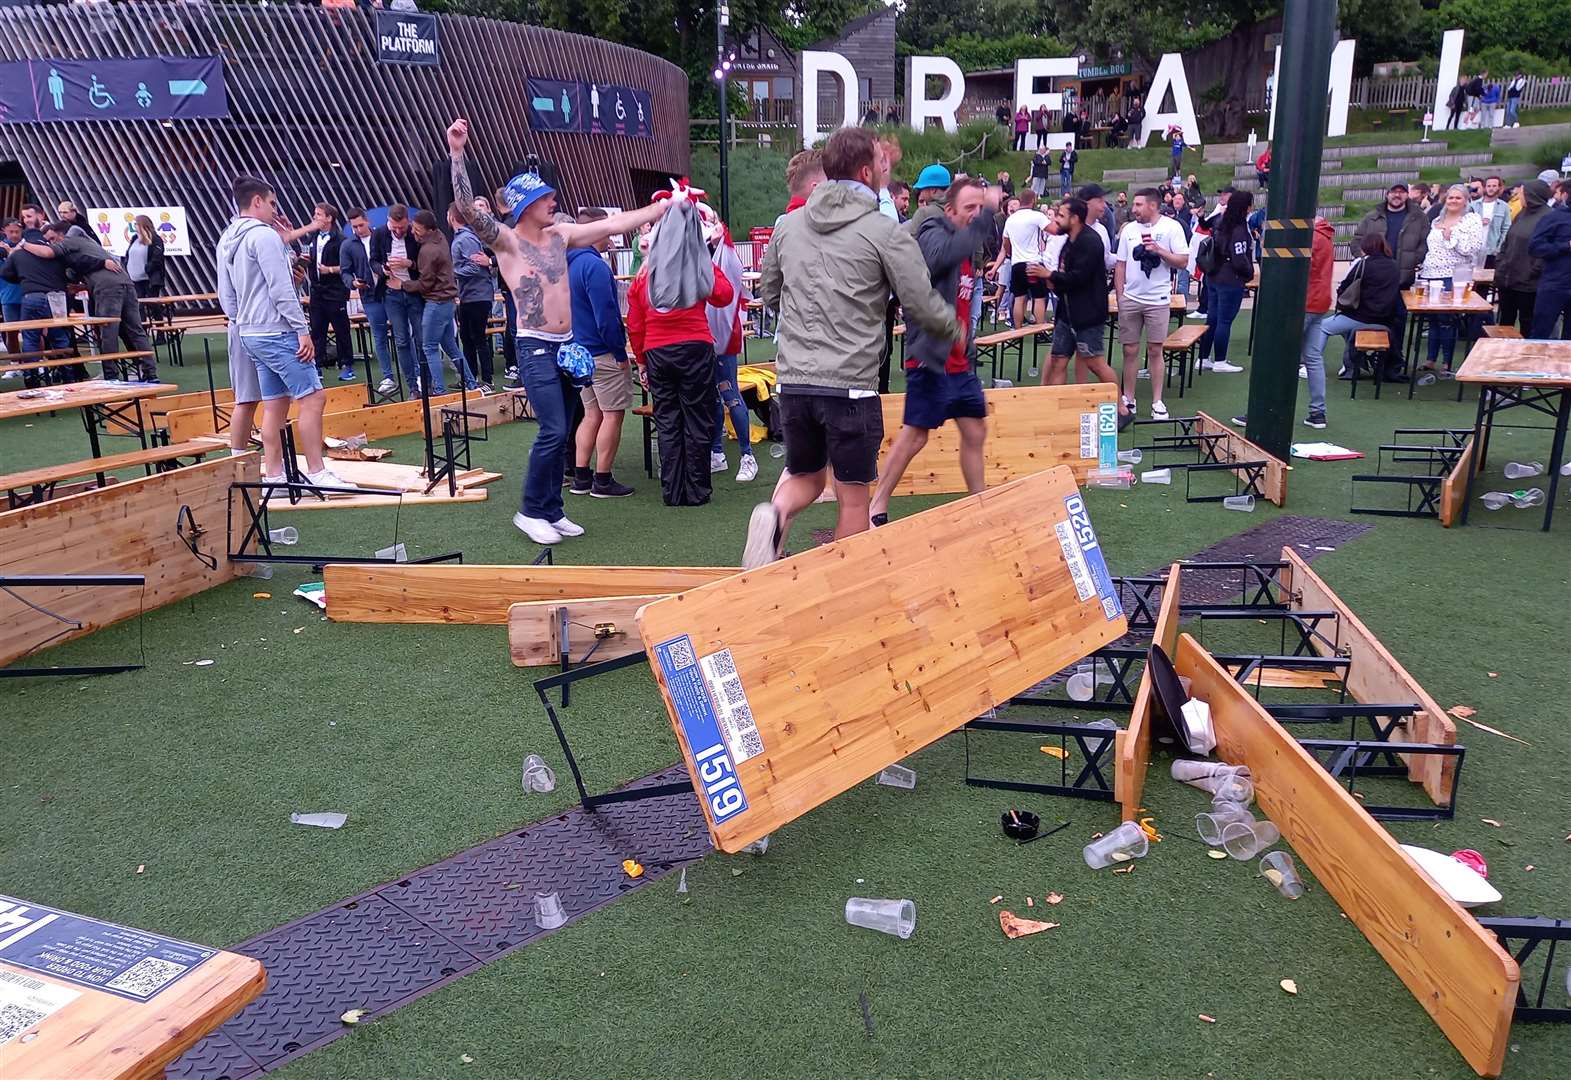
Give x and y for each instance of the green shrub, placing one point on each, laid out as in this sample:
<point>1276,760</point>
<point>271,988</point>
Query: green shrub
<point>1551,152</point>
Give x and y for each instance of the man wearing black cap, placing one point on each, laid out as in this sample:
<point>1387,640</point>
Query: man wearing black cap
<point>1100,219</point>
<point>532,256</point>
<point>1406,232</point>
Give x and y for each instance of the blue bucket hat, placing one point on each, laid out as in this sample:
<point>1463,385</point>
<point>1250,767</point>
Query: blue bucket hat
<point>521,192</point>
<point>933,176</point>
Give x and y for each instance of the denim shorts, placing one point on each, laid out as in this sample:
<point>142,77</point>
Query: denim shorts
<point>279,371</point>
<point>1067,341</point>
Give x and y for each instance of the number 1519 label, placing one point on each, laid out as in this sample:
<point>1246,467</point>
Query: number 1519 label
<point>717,782</point>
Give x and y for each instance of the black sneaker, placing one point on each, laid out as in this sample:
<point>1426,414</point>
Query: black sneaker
<point>878,521</point>
<point>582,482</point>
<point>1316,420</point>
<point>610,488</point>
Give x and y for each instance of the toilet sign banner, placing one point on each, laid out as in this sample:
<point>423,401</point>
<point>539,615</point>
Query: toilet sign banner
<point>138,88</point>
<point>598,108</point>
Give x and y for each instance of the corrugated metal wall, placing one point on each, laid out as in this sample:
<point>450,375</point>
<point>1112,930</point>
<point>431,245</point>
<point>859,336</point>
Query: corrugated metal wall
<point>313,111</point>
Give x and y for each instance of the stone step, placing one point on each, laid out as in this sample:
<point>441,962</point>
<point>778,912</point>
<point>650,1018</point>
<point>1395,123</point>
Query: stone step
<point>1373,149</point>
<point>1531,135</point>
<point>1427,161</point>
<point>1247,172</point>
<point>1135,176</point>
<point>1359,195</point>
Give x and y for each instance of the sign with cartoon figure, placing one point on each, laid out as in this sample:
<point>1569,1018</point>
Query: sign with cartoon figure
<point>620,110</point>
<point>115,226</point>
<point>134,88</point>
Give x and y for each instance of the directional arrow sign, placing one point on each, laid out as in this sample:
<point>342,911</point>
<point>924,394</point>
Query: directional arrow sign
<point>544,104</point>
<point>187,87</point>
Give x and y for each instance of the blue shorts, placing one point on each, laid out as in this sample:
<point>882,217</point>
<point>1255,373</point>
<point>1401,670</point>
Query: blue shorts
<point>279,370</point>
<point>932,398</point>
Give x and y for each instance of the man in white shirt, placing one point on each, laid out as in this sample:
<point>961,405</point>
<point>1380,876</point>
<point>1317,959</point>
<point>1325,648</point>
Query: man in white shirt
<point>1150,248</point>
<point>1024,247</point>
<point>1497,221</point>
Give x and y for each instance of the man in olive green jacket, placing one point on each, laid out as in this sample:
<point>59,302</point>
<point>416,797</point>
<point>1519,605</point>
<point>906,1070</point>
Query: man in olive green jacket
<point>828,271</point>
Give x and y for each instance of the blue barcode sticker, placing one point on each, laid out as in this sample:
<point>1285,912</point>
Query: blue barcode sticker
<point>1084,535</point>
<point>1107,432</point>
<point>718,784</point>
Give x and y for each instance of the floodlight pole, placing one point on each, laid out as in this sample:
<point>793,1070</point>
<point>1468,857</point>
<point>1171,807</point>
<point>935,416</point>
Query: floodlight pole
<point>1308,29</point>
<point>722,70</point>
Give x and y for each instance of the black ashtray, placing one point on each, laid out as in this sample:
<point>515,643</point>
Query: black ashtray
<point>1019,824</point>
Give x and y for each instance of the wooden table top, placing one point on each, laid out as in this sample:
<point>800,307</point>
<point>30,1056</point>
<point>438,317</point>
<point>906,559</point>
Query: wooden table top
<point>1516,362</point>
<point>70,322</point>
<point>108,1002</point>
<point>1483,277</point>
<point>76,395</point>
<point>1418,303</point>
<point>187,298</point>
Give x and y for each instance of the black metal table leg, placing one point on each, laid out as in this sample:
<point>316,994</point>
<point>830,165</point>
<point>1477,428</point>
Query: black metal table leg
<point>1556,454</point>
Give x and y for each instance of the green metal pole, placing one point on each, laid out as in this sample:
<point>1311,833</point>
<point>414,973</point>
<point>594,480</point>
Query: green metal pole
<point>1308,30</point>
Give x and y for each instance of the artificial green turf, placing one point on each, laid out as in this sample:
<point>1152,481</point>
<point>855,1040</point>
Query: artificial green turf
<point>417,733</point>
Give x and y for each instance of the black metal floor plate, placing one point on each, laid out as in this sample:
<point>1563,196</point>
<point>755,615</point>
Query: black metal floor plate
<point>402,940</point>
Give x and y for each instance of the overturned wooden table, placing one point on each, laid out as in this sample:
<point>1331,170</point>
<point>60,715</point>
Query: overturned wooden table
<point>82,999</point>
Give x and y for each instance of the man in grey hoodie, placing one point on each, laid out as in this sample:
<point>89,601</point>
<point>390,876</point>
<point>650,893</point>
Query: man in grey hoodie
<point>257,293</point>
<point>829,271</point>
<point>941,379</point>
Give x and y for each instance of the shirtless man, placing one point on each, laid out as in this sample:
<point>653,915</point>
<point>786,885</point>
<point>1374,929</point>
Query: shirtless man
<point>532,256</point>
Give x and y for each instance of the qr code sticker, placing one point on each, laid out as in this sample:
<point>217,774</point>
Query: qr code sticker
<point>733,692</point>
<point>147,976</point>
<point>752,743</point>
<point>14,1019</point>
<point>721,661</point>
<point>682,654</point>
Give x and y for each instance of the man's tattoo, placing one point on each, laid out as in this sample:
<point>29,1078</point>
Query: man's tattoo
<point>549,259</point>
<point>530,297</point>
<point>486,227</point>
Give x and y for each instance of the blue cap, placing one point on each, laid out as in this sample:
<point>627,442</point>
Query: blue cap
<point>933,176</point>
<point>521,192</point>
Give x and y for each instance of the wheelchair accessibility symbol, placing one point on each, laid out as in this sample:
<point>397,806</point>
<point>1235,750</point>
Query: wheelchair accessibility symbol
<point>98,95</point>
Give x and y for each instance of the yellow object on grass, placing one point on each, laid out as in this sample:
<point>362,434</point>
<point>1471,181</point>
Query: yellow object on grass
<point>761,380</point>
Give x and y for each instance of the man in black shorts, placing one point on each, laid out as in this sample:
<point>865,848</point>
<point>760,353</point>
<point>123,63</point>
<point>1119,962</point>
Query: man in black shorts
<point>1080,283</point>
<point>941,380</point>
<point>828,271</point>
<point>1024,247</point>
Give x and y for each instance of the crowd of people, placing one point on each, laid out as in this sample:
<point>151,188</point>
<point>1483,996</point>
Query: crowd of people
<point>1476,99</point>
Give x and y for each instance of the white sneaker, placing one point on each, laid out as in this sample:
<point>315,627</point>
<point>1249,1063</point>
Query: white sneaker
<point>567,528</point>
<point>1143,373</point>
<point>762,537</point>
<point>1129,403</point>
<point>1303,372</point>
<point>328,478</point>
<point>717,462</point>
<point>537,529</point>
<point>1222,367</point>
<point>8,375</point>
<point>279,479</point>
<point>747,470</point>
<point>1158,410</point>
<point>386,386</point>
<point>1196,315</point>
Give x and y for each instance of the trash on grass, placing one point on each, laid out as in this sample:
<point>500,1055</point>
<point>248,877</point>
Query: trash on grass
<point>1055,751</point>
<point>897,917</point>
<point>1207,1019</point>
<point>352,1016</point>
<point>681,883</point>
<point>898,776</point>
<point>548,911</point>
<point>996,899</point>
<point>1490,821</point>
<point>204,663</point>
<point>1014,926</point>
<point>632,868</point>
<point>261,596</point>
<point>537,775</point>
<point>1126,842</point>
<point>757,847</point>
<point>1019,825</point>
<point>1278,869</point>
<point>1289,985</point>
<point>140,867</point>
<point>1054,898</point>
<point>329,820</point>
<point>1215,854</point>
<point>314,592</point>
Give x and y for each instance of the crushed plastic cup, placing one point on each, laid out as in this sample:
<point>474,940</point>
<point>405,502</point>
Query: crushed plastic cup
<point>256,570</point>
<point>897,917</point>
<point>1157,476</point>
<point>397,552</point>
<point>757,847</point>
<point>1277,868</point>
<point>1094,745</point>
<point>287,535</point>
<point>1521,470</point>
<point>1003,384</point>
<point>1119,479</point>
<point>1124,843</point>
<point>1232,789</point>
<point>1130,457</point>
<point>1428,378</point>
<point>1081,686</point>
<point>548,910</point>
<point>1522,500</point>
<point>1244,842</point>
<point>898,776</point>
<point>777,450</point>
<point>1565,470</point>
<point>1243,503</point>
<point>57,305</point>
<point>538,776</point>
<point>1187,769</point>
<point>1211,825</point>
<point>321,821</point>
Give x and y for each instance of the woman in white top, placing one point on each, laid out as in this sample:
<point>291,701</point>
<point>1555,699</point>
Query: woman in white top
<point>144,258</point>
<point>1456,236</point>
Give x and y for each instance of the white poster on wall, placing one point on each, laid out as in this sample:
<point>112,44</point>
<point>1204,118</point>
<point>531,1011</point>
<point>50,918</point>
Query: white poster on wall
<point>114,226</point>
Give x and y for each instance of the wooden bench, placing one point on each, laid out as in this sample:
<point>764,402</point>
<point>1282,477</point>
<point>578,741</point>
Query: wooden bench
<point>1180,348</point>
<point>1371,343</point>
<point>38,485</point>
<point>58,360</point>
<point>1502,332</point>
<point>1013,339</point>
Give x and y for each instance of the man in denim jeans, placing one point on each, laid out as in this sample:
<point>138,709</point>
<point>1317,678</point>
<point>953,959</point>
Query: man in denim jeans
<point>532,256</point>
